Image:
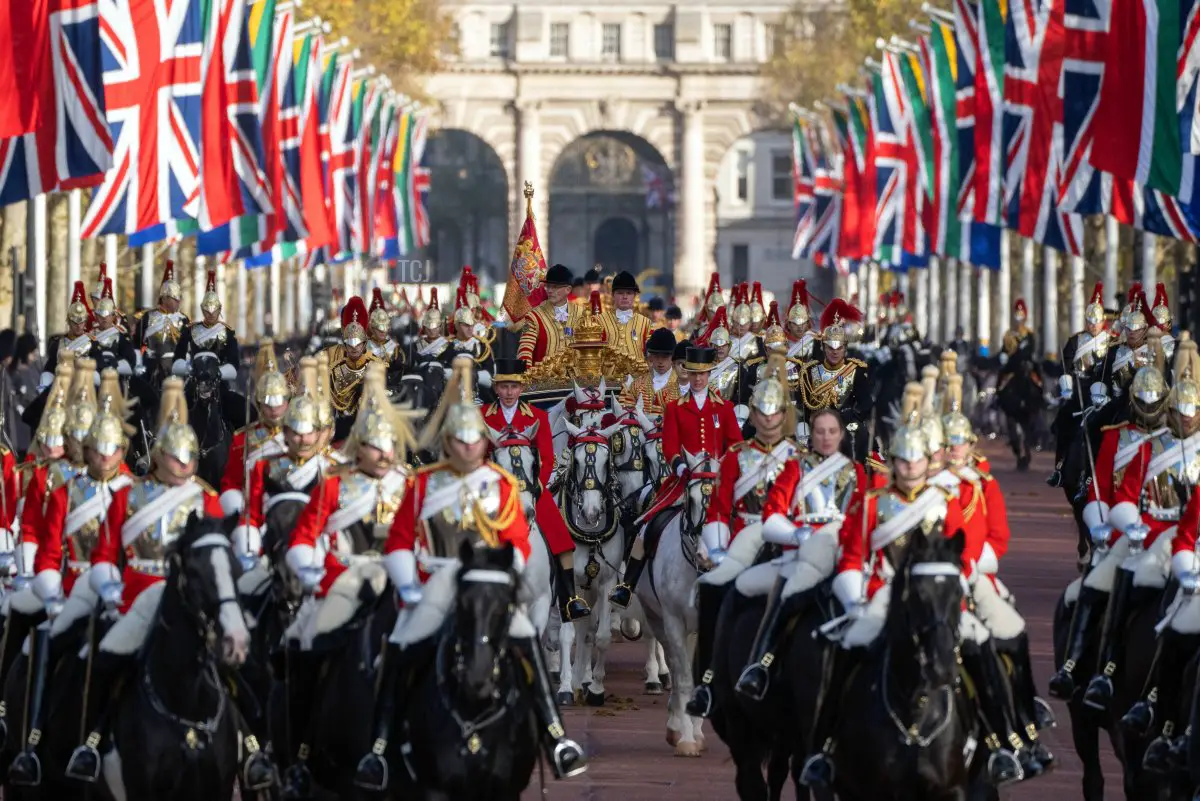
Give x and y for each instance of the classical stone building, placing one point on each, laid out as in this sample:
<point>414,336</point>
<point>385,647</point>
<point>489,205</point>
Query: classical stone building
<point>639,126</point>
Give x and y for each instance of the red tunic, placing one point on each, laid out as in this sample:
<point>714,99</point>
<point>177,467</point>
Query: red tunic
<point>781,499</point>
<point>723,508</point>
<point>35,496</point>
<point>12,488</point>
<point>1185,537</point>
<point>52,538</point>
<point>549,517</point>
<point>235,467</point>
<point>1130,491</point>
<point>1102,479</point>
<point>854,545</point>
<point>408,530</point>
<point>110,547</point>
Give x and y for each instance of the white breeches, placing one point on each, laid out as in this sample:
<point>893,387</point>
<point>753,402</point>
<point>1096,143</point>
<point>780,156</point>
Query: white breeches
<point>815,561</point>
<point>436,600</point>
<point>318,616</point>
<point>1152,567</point>
<point>741,554</point>
<point>1183,615</point>
<point>127,634</point>
<point>998,615</point>
<point>79,604</point>
<point>757,581</point>
<point>1103,574</point>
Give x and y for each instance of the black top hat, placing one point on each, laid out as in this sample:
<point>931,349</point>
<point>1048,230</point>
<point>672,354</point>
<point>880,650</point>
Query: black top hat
<point>681,349</point>
<point>624,281</point>
<point>700,360</point>
<point>661,342</point>
<point>592,276</point>
<point>655,304</point>
<point>558,275</point>
<point>674,313</point>
<point>509,370</point>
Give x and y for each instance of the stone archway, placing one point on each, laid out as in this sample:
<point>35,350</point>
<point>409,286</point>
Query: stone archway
<point>599,210</point>
<point>468,214</point>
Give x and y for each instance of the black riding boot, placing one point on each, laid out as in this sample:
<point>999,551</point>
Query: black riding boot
<point>622,594</point>
<point>818,769</point>
<point>1140,717</point>
<point>373,772</point>
<point>302,671</point>
<point>570,604</point>
<point>1087,614</point>
<point>16,628</point>
<point>1177,651</point>
<point>26,768</point>
<point>565,755</point>
<point>755,680</point>
<point>708,602</point>
<point>1100,689</point>
<point>1004,766</point>
<point>107,681</point>
<point>1033,714</point>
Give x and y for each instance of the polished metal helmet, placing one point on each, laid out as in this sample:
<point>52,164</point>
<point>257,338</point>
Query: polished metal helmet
<point>956,425</point>
<point>1094,313</point>
<point>54,416</point>
<point>170,287</point>
<point>81,402</point>
<point>211,302</point>
<point>175,437</point>
<point>77,311</point>
<point>908,440</point>
<point>109,433</point>
<point>303,412</point>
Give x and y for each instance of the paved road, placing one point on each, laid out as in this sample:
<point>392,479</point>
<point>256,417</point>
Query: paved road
<point>632,762</point>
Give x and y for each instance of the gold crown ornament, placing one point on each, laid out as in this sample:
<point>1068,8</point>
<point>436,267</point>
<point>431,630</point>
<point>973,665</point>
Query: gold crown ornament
<point>49,432</point>
<point>908,439</point>
<point>175,438</point>
<point>110,431</point>
<point>270,385</point>
<point>955,424</point>
<point>81,401</point>
<point>303,412</point>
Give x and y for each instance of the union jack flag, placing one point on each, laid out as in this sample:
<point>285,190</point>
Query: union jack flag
<point>892,157</point>
<point>72,145</point>
<point>818,192</point>
<point>152,54</point>
<point>973,108</point>
<point>337,105</point>
<point>1032,126</point>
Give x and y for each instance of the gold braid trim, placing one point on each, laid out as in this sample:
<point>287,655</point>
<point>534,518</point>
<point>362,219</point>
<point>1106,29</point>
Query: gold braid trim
<point>823,396</point>
<point>490,528</point>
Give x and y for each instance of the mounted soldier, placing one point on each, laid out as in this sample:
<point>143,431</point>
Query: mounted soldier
<point>714,299</point>
<point>432,336</point>
<point>625,329</point>
<point>483,329</point>
<point>801,337</point>
<point>160,328</point>
<point>700,421</point>
<point>1085,358</point>
<point>838,381</point>
<point>1133,352</point>
<point>75,512</point>
<point>550,327</point>
<point>47,447</point>
<point>348,361</point>
<point>113,347</point>
<point>129,565</point>
<point>379,333</point>
<point>748,471</point>
<point>1160,318</point>
<point>78,338</point>
<point>1019,392</point>
<point>465,342</point>
<point>510,412</point>
<point>262,438</point>
<point>745,345</point>
<point>210,335</point>
<point>758,311</point>
<point>461,502</point>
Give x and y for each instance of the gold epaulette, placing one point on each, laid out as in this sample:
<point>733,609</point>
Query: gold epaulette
<point>856,362</point>
<point>876,464</point>
<point>429,468</point>
<point>204,485</point>
<point>737,447</point>
<point>1114,426</point>
<point>877,492</point>
<point>715,396</point>
<point>525,408</point>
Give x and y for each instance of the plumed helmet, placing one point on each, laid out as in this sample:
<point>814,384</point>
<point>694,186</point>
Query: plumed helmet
<point>931,419</point>
<point>773,334</point>
<point>175,436</point>
<point>106,307</point>
<point>1148,390</point>
<point>81,401</point>
<point>302,414</point>
<point>54,416</point>
<point>798,312</point>
<point>908,439</point>
<point>463,313</point>
<point>379,321</point>
<point>1135,319</point>
<point>101,277</point>
<point>713,299</point>
<point>1185,394</point>
<point>757,312</point>
<point>170,287</point>
<point>211,302</point>
<point>354,322</point>
<point>432,319</point>
<point>771,393</point>
<point>110,431</point>
<point>325,416</point>
<point>835,319</point>
<point>955,425</point>
<point>78,312</point>
<point>270,385</point>
<point>1161,311</point>
<point>717,333</point>
<point>742,312</point>
<point>1094,313</point>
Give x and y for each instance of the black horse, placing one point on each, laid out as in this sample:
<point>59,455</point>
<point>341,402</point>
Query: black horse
<point>469,715</point>
<point>1020,398</point>
<point>215,413</point>
<point>903,722</point>
<point>170,707</point>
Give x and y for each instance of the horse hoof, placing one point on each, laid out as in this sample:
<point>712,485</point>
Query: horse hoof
<point>595,699</point>
<point>566,699</point>
<point>673,737</point>
<point>687,749</point>
<point>631,629</point>
<point>654,688</point>
<point>665,678</point>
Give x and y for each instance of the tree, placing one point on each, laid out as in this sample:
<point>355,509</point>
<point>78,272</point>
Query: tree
<point>824,44</point>
<point>404,39</point>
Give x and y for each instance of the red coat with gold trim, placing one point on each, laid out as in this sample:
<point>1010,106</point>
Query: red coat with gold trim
<point>234,476</point>
<point>550,520</point>
<point>735,514</point>
<point>686,427</point>
<point>56,551</point>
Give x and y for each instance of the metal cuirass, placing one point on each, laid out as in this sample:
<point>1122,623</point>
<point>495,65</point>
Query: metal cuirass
<point>725,379</point>
<point>152,541</point>
<point>450,527</point>
<point>750,462</point>
<point>83,540</point>
<point>369,533</point>
<point>828,500</point>
<point>163,332</point>
<point>1165,495</point>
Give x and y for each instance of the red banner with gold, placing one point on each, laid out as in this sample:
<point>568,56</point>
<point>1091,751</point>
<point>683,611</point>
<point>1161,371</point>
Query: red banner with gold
<point>528,268</point>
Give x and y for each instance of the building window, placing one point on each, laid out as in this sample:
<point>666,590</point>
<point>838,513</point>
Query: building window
<point>741,263</point>
<point>773,44</point>
<point>723,41</point>
<point>742,190</point>
<point>781,176</point>
<point>664,42</point>
<point>560,33</point>
<point>610,41</point>
<point>499,44</point>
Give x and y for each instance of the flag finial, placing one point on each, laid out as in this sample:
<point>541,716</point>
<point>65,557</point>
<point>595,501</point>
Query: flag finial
<point>528,199</point>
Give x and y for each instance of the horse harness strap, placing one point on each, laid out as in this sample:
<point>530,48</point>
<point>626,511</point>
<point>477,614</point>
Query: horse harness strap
<point>910,734</point>
<point>195,728</point>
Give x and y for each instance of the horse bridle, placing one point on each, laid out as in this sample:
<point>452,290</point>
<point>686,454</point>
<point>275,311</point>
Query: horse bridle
<point>910,734</point>
<point>592,441</point>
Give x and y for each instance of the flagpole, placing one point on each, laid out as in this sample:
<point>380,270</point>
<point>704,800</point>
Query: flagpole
<point>1149,262</point>
<point>35,267</point>
<point>951,297</point>
<point>1049,301</point>
<point>111,258</point>
<point>1112,239</point>
<point>74,241</point>
<point>964,297</point>
<point>1027,270</point>
<point>1004,291</point>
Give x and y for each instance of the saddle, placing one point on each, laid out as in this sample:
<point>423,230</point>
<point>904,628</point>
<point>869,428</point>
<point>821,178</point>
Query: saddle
<point>655,529</point>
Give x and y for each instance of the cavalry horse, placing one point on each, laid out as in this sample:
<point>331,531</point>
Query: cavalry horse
<point>667,589</point>
<point>904,724</point>
<point>584,495</point>
<point>469,719</point>
<point>172,730</point>
<point>206,399</point>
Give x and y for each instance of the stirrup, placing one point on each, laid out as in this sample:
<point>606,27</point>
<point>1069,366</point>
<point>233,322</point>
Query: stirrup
<point>25,770</point>
<point>257,762</point>
<point>701,702</point>
<point>1044,714</point>
<point>84,764</point>
<point>621,595</point>
<point>568,759</point>
<point>755,681</point>
<point>1003,768</point>
<point>1099,693</point>
<point>297,781</point>
<point>575,609</point>
<point>818,771</point>
<point>372,773</point>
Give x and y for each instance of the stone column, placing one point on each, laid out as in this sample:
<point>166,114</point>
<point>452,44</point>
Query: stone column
<point>937,333</point>
<point>146,290</point>
<point>950,295</point>
<point>1076,293</point>
<point>1027,270</point>
<point>921,312</point>
<point>110,258</point>
<point>1149,264</point>
<point>74,241</point>
<point>871,305</point>
<point>965,301</point>
<point>689,268</point>
<point>1049,302</point>
<point>1003,290</point>
<point>1112,238</point>
<point>529,168</point>
<point>983,327</point>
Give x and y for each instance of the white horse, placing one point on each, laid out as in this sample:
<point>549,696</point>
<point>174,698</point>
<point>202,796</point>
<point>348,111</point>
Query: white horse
<point>666,593</point>
<point>515,452</point>
<point>585,498</point>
